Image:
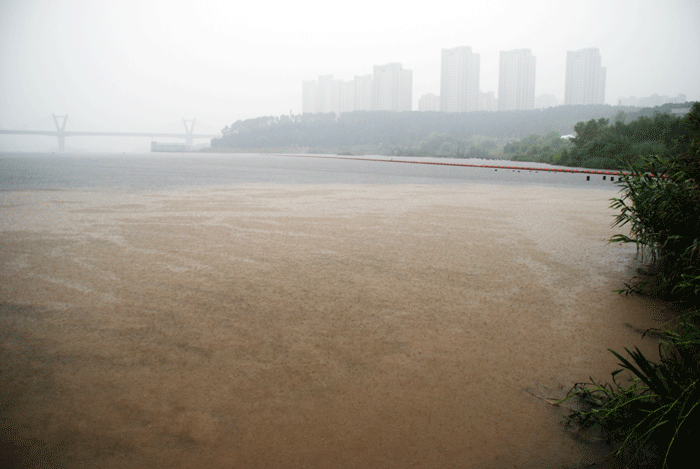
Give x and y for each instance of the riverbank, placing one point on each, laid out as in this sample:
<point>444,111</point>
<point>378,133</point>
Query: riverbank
<point>291,326</point>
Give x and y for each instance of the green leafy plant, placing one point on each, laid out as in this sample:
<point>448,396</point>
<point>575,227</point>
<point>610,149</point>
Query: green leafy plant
<point>655,414</point>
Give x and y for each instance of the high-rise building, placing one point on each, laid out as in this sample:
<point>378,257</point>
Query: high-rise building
<point>327,95</point>
<point>347,96</point>
<point>363,93</point>
<point>585,77</point>
<point>429,102</point>
<point>392,88</point>
<point>309,96</point>
<point>488,101</point>
<point>516,81</point>
<point>324,95</point>
<point>459,80</point>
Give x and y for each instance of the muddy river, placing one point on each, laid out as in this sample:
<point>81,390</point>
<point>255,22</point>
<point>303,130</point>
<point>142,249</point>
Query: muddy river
<point>270,325</point>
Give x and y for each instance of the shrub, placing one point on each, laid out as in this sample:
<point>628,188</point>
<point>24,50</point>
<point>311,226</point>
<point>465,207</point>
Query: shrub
<point>661,204</point>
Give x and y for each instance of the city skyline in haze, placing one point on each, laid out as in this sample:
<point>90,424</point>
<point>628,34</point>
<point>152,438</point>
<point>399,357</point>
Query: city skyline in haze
<point>135,66</point>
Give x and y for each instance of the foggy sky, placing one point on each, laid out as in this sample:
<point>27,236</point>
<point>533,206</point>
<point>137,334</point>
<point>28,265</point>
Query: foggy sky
<point>144,65</point>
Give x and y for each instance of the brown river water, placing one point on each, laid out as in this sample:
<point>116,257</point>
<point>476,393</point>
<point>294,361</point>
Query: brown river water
<point>306,325</point>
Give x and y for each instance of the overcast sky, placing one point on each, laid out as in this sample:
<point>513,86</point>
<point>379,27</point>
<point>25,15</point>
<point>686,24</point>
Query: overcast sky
<point>143,65</point>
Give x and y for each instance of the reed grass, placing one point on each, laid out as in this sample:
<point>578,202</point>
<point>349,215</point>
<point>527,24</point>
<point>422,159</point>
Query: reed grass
<point>652,418</point>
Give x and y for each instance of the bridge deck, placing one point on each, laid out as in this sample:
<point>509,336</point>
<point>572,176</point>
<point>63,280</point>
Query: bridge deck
<point>54,133</point>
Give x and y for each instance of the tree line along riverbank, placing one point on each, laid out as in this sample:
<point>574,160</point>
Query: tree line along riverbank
<point>598,136</point>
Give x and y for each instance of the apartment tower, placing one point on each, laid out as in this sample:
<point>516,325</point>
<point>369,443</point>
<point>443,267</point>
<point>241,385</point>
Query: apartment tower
<point>363,93</point>
<point>459,80</point>
<point>585,77</point>
<point>429,102</point>
<point>324,95</point>
<point>392,88</point>
<point>309,96</point>
<point>329,95</point>
<point>516,80</point>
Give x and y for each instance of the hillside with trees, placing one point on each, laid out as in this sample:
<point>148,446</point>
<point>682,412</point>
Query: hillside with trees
<point>605,137</point>
<point>407,133</point>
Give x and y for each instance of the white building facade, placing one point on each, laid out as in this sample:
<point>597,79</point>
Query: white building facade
<point>585,77</point>
<point>363,93</point>
<point>392,88</point>
<point>324,95</point>
<point>516,80</point>
<point>459,80</point>
<point>488,101</point>
<point>309,92</point>
<point>429,102</point>
<point>329,95</point>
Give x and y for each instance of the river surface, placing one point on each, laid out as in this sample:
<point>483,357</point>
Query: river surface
<point>184,310</point>
<point>156,171</point>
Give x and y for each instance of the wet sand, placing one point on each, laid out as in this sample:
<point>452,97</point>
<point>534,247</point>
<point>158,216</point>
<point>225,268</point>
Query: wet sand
<point>305,326</point>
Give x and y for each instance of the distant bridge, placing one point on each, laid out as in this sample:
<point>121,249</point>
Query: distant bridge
<point>61,132</point>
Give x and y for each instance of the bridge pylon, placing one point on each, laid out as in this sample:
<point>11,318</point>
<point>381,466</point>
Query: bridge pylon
<point>189,130</point>
<point>61,131</point>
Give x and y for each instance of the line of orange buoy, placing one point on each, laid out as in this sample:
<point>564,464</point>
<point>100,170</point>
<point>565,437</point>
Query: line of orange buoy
<point>522,168</point>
